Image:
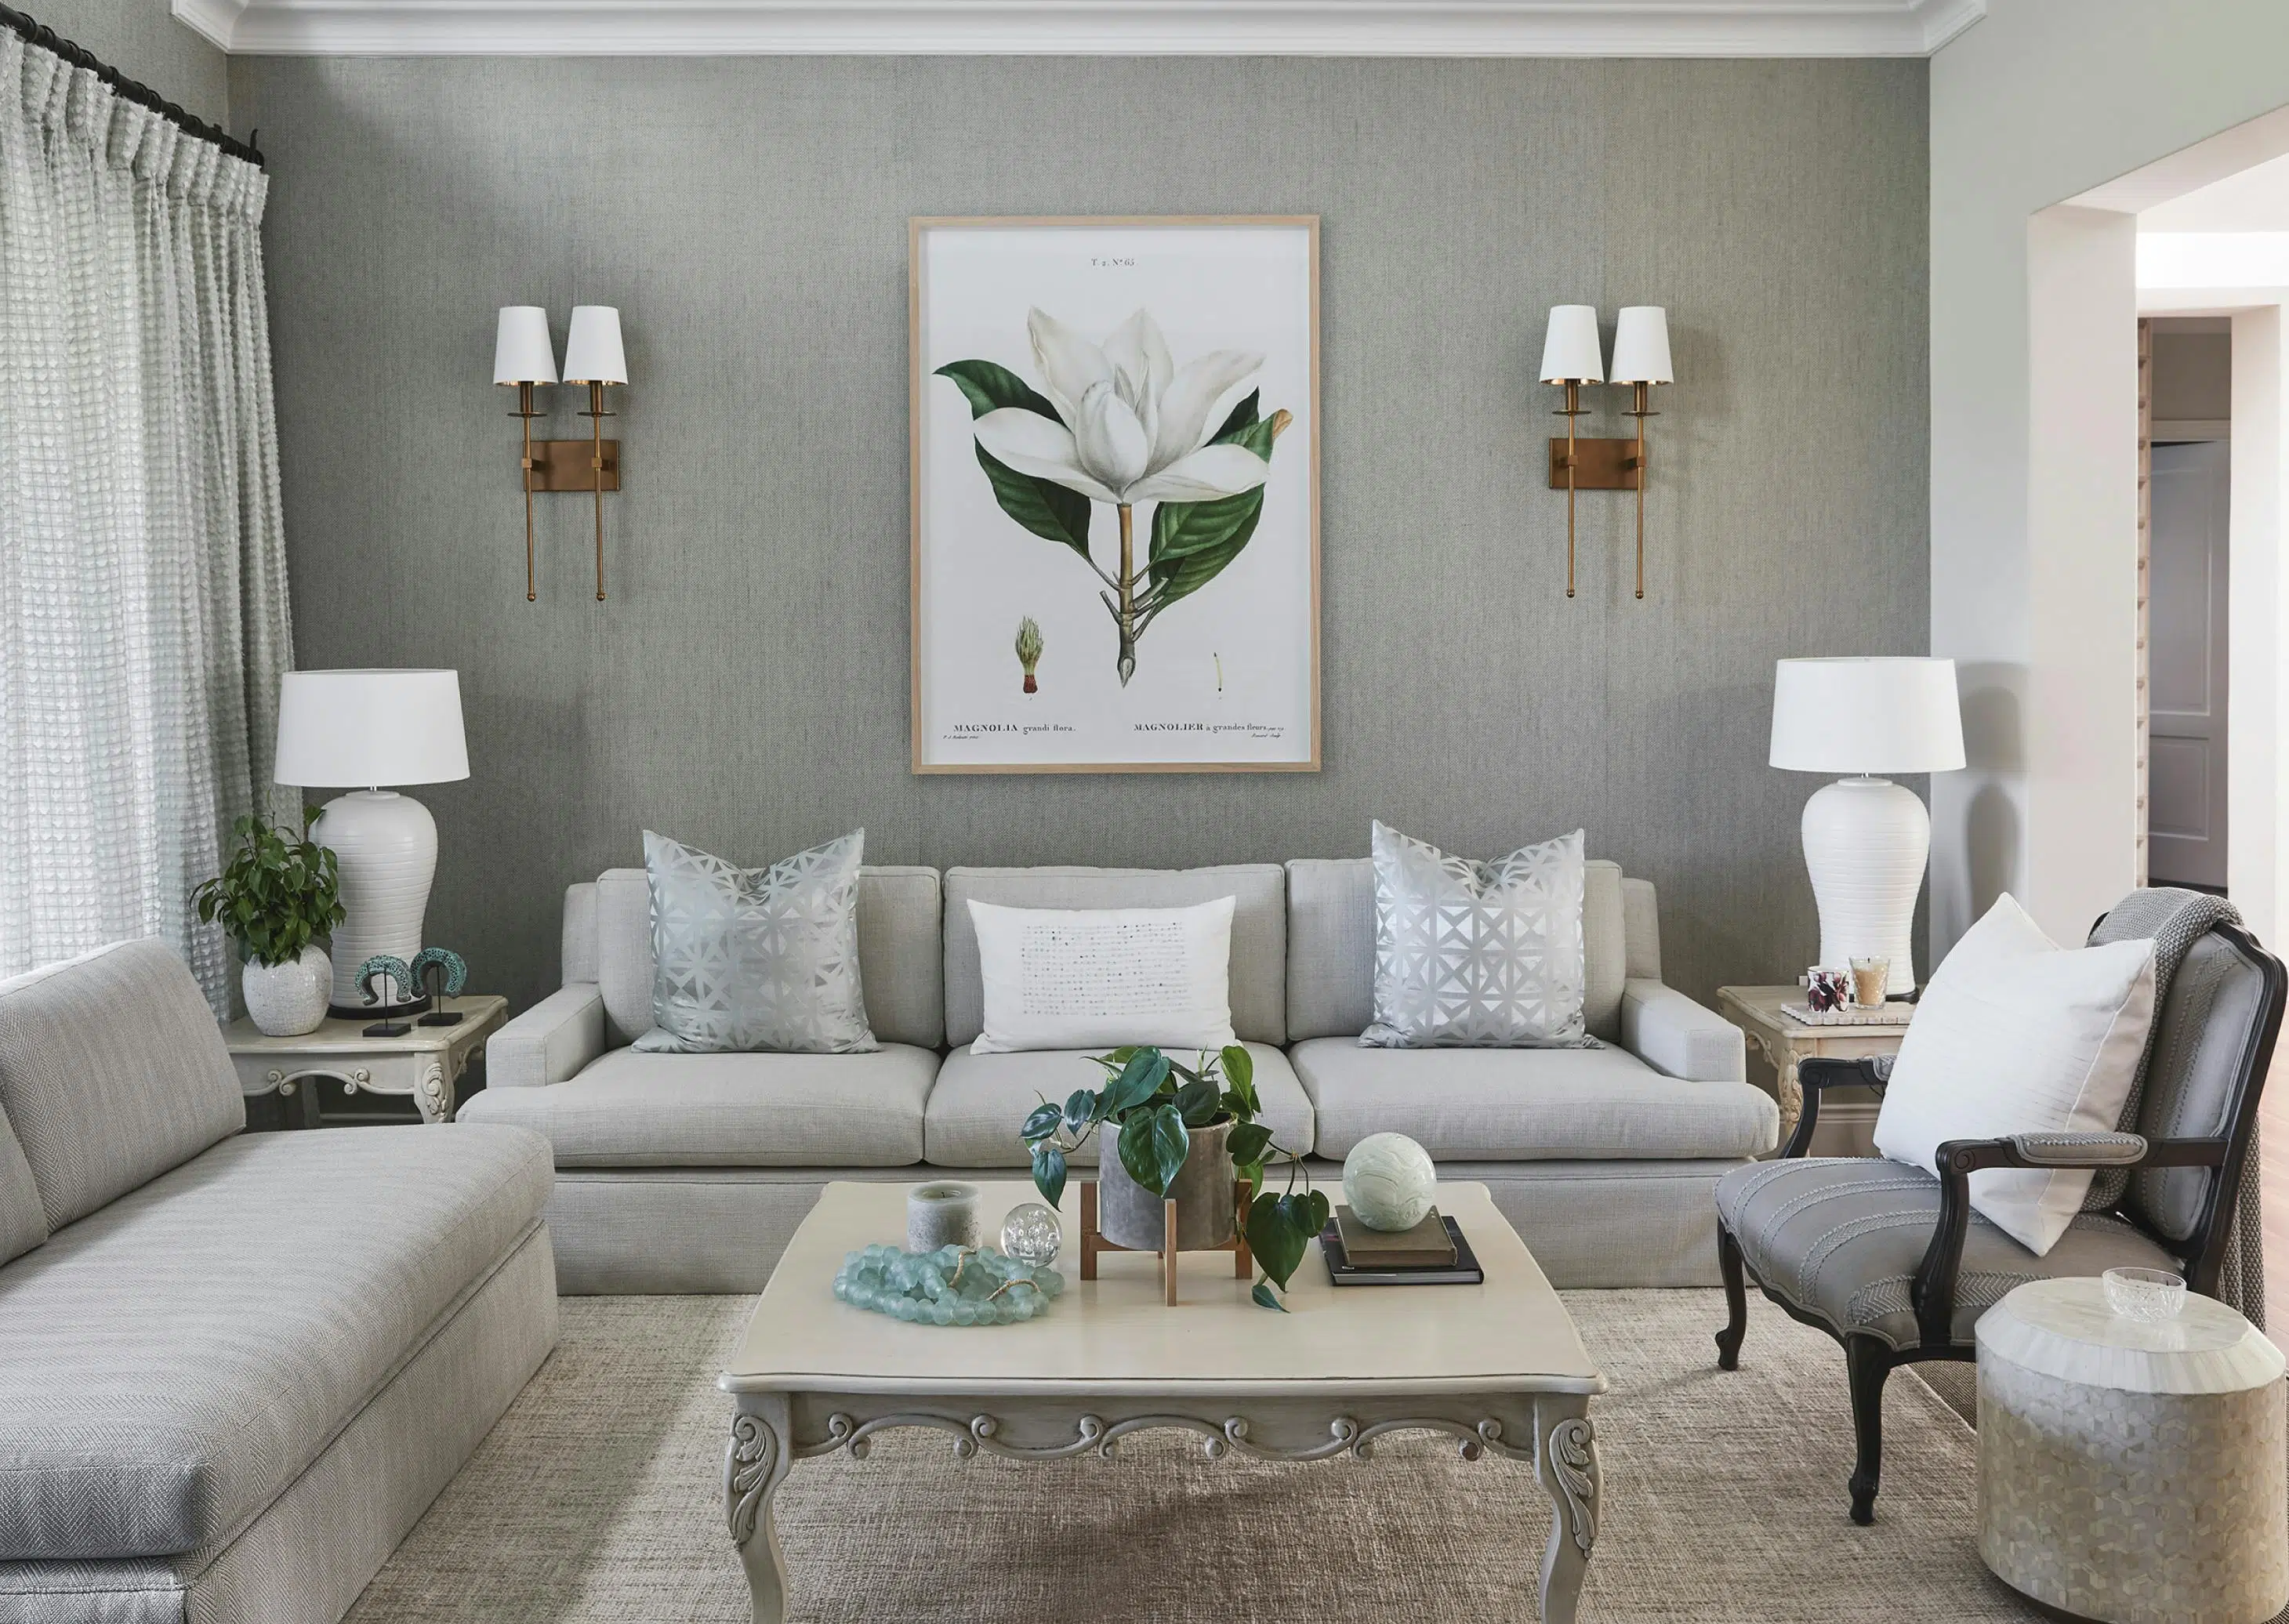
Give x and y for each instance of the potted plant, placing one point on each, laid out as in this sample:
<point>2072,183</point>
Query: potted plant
<point>1189,1133</point>
<point>277,892</point>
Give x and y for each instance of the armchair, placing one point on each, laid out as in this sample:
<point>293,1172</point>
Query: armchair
<point>1893,1263</point>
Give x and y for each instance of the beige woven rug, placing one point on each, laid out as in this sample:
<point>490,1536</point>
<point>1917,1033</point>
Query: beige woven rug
<point>595,1499</point>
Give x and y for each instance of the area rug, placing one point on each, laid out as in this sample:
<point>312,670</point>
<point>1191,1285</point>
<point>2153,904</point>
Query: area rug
<point>595,1499</point>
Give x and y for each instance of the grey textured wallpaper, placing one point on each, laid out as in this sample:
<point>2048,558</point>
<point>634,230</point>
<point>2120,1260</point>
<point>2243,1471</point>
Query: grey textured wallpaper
<point>745,689</point>
<point>142,40</point>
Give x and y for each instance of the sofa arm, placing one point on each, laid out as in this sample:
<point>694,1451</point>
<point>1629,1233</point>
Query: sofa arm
<point>549,1042</point>
<point>1673,1034</point>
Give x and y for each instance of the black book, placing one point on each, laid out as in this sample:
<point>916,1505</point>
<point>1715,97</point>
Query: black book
<point>1464,1270</point>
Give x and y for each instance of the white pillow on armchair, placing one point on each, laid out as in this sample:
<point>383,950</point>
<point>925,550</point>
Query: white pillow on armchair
<point>2017,1035</point>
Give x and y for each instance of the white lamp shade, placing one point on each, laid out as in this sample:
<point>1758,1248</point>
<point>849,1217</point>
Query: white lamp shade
<point>1641,346</point>
<point>1570,350</point>
<point>522,351</point>
<point>370,728</point>
<point>592,349</point>
<point>1885,715</point>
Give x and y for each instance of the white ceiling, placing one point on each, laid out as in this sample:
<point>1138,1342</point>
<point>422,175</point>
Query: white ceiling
<point>1084,27</point>
<point>2256,199</point>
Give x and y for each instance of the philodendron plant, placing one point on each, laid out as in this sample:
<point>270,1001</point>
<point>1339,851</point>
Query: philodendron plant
<point>1155,1103</point>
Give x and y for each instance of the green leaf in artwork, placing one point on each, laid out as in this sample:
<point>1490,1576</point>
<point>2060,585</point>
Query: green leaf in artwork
<point>1050,1172</point>
<point>1043,506</point>
<point>1243,417</point>
<point>1194,541</point>
<point>1264,1297</point>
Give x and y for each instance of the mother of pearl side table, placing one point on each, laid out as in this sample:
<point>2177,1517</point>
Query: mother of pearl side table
<point>2130,1471</point>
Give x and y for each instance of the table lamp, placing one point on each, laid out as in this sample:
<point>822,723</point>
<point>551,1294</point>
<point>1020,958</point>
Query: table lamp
<point>1866,840</point>
<point>373,728</point>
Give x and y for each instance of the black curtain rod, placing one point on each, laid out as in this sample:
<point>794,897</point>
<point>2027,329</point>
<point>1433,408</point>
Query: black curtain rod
<point>141,95</point>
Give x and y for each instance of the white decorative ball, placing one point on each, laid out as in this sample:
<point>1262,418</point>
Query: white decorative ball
<point>1389,1181</point>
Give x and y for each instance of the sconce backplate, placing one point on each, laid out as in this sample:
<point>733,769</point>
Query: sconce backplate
<point>565,465</point>
<point>1600,465</point>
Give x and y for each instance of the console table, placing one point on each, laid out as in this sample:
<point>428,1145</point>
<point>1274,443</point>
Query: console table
<point>425,1063</point>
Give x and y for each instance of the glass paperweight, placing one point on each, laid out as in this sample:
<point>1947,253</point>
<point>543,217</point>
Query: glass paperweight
<point>2150,1295</point>
<point>953,1286</point>
<point>1032,1235</point>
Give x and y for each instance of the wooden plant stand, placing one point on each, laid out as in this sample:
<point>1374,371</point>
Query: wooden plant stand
<point>1243,1261</point>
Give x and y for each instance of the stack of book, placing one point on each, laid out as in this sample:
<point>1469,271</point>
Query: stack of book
<point>1434,1252</point>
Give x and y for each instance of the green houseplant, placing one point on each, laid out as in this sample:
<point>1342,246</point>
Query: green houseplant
<point>1162,1113</point>
<point>276,895</point>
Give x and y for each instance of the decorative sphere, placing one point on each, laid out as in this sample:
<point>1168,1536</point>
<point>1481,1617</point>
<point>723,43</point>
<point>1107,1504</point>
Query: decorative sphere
<point>1389,1181</point>
<point>1031,1235</point>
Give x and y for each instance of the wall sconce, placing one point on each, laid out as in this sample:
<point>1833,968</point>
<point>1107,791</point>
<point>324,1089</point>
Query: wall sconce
<point>524,356</point>
<point>1641,361</point>
<point>1571,356</point>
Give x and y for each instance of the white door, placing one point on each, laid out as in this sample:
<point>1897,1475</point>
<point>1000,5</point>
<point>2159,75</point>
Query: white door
<point>2186,666</point>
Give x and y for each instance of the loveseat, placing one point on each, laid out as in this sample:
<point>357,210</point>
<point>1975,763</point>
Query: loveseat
<point>688,1173</point>
<point>233,1368</point>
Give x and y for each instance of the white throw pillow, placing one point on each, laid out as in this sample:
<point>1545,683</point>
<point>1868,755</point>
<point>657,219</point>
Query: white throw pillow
<point>2017,1035</point>
<point>1061,979</point>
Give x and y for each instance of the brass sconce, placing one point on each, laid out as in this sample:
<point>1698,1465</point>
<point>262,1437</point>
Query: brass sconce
<point>1571,357</point>
<point>524,356</point>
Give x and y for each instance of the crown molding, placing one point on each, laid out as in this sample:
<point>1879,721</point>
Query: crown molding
<point>1082,27</point>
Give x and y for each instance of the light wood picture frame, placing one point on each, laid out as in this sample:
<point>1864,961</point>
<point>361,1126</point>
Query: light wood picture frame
<point>1111,417</point>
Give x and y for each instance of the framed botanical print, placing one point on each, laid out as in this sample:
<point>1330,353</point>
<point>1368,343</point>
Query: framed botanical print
<point>1116,494</point>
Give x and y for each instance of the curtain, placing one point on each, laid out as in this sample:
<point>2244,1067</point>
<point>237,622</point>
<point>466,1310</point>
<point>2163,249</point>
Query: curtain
<point>143,615</point>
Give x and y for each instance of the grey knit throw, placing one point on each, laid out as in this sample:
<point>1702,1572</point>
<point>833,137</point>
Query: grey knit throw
<point>2174,919</point>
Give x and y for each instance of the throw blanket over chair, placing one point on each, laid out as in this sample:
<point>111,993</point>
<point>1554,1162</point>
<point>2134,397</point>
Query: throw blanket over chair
<point>1894,1263</point>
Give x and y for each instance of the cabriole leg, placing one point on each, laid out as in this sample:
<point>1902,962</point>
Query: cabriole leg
<point>1566,1460</point>
<point>1868,1361</point>
<point>1736,1300</point>
<point>754,1464</point>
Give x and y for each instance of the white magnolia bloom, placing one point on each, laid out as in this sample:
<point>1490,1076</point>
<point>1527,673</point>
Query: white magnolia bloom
<point>1135,428</point>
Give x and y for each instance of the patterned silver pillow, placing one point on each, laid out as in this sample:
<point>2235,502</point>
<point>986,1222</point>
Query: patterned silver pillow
<point>1477,954</point>
<point>755,958</point>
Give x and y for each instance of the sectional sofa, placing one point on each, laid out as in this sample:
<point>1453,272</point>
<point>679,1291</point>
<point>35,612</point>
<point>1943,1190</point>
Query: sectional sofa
<point>233,1368</point>
<point>688,1173</point>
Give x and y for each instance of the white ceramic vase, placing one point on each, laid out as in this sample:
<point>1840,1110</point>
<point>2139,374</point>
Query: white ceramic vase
<point>1865,842</point>
<point>387,844</point>
<point>287,999</point>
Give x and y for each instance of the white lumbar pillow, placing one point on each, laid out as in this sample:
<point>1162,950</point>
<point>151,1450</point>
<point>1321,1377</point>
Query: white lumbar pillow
<point>2017,1035</point>
<point>1073,979</point>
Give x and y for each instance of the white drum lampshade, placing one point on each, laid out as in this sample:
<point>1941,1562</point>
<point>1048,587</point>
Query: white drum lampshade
<point>1866,840</point>
<point>593,354</point>
<point>523,352</point>
<point>1570,350</point>
<point>373,729</point>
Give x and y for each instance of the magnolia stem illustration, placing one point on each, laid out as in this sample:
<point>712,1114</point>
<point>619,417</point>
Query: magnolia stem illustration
<point>1029,650</point>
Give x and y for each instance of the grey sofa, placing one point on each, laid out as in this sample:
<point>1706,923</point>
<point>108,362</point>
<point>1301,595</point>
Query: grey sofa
<point>234,1369</point>
<point>683,1173</point>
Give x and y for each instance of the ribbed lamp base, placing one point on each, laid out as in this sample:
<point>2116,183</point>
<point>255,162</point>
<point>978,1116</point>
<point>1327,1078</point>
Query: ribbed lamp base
<point>387,844</point>
<point>1866,841</point>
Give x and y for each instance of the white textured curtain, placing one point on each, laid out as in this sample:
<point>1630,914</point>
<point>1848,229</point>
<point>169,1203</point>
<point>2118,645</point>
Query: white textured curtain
<point>143,617</point>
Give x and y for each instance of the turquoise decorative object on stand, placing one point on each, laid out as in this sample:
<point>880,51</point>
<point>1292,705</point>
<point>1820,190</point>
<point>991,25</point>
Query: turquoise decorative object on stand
<point>396,973</point>
<point>953,1286</point>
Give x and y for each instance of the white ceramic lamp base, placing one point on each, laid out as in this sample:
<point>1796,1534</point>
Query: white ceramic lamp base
<point>387,844</point>
<point>1866,841</point>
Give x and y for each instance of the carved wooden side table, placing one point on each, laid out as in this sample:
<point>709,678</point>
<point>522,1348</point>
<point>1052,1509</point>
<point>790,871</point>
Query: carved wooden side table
<point>1788,1043</point>
<point>425,1063</point>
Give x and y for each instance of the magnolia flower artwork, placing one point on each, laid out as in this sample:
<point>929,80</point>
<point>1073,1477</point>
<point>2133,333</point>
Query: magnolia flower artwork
<point>1122,398</point>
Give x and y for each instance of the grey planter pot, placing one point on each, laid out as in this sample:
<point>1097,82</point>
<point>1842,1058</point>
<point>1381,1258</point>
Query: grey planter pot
<point>1129,1215</point>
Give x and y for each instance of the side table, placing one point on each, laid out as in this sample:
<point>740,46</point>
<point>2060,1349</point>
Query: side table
<point>425,1063</point>
<point>2132,1470</point>
<point>1788,1043</point>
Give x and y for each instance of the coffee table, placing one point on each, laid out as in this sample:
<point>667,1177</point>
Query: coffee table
<point>1499,1367</point>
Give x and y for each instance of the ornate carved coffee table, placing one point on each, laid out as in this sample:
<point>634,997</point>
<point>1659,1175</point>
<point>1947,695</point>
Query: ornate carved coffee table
<point>1498,1368</point>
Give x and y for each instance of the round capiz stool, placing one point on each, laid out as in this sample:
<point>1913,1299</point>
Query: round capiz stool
<point>2131,1471</point>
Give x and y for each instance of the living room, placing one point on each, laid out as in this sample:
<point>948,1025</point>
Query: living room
<point>780,773</point>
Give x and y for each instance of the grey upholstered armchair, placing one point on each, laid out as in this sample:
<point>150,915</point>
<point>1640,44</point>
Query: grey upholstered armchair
<point>1893,1263</point>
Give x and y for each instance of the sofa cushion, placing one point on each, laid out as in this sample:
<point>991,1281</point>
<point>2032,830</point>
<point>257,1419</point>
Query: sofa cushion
<point>1259,929</point>
<point>1842,1239</point>
<point>171,1363</point>
<point>981,1100</point>
<point>1527,1105</point>
<point>899,953</point>
<point>633,1109</point>
<point>22,1224</point>
<point>1331,947</point>
<point>112,1071</point>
